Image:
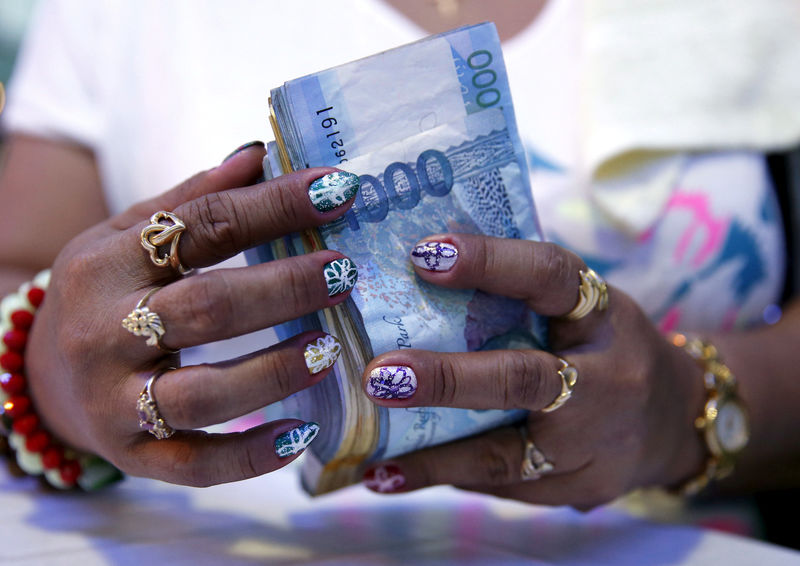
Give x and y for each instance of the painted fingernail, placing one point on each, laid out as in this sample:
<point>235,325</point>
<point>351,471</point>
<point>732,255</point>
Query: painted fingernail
<point>340,276</point>
<point>296,440</point>
<point>434,256</point>
<point>392,382</point>
<point>333,190</point>
<point>386,478</point>
<point>322,353</point>
<point>243,147</point>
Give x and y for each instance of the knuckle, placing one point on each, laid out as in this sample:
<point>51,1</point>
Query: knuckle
<point>218,226</point>
<point>282,379</point>
<point>519,377</point>
<point>283,205</point>
<point>557,269</point>
<point>209,304</point>
<point>495,464</point>
<point>187,405</point>
<point>445,382</point>
<point>246,464</point>
<point>297,286</point>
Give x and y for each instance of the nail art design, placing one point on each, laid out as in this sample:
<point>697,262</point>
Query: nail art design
<point>384,479</point>
<point>296,440</point>
<point>392,382</point>
<point>333,190</point>
<point>340,276</point>
<point>322,353</point>
<point>434,256</point>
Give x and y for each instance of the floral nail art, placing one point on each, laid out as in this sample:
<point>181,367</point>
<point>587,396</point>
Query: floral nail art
<point>322,353</point>
<point>434,256</point>
<point>296,440</point>
<point>333,190</point>
<point>392,382</point>
<point>340,276</point>
<point>386,478</point>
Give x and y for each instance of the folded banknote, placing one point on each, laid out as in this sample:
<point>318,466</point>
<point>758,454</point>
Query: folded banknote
<point>429,128</point>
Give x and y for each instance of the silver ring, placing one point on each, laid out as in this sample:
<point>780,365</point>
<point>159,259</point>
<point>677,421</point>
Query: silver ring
<point>150,418</point>
<point>141,321</point>
<point>593,293</point>
<point>569,377</point>
<point>534,463</point>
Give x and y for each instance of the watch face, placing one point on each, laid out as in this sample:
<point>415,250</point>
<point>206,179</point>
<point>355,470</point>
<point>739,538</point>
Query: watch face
<point>731,427</point>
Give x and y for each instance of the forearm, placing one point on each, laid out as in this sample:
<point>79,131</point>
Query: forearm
<point>766,363</point>
<point>49,193</point>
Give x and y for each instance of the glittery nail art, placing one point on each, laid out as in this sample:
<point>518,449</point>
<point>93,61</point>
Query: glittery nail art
<point>384,479</point>
<point>434,256</point>
<point>294,441</point>
<point>322,353</point>
<point>333,190</point>
<point>340,276</point>
<point>392,382</point>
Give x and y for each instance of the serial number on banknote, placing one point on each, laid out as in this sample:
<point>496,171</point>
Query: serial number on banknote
<point>328,122</point>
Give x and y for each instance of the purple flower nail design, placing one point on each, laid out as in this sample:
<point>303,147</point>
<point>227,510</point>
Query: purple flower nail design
<point>392,382</point>
<point>434,256</point>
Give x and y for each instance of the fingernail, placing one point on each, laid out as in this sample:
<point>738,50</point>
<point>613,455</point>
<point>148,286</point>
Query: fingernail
<point>340,276</point>
<point>385,478</point>
<point>322,353</point>
<point>333,190</point>
<point>434,256</point>
<point>243,147</point>
<point>392,382</point>
<point>296,440</point>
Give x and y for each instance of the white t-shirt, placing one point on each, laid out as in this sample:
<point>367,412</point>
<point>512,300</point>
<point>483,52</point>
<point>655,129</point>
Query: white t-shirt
<point>161,90</point>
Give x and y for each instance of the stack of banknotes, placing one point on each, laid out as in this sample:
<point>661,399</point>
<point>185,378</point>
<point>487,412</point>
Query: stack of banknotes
<point>429,128</point>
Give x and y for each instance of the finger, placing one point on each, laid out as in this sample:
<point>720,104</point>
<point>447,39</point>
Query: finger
<point>499,379</point>
<point>240,169</point>
<point>222,224</point>
<point>203,395</point>
<point>223,303</point>
<point>200,459</point>
<point>491,461</point>
<point>544,275</point>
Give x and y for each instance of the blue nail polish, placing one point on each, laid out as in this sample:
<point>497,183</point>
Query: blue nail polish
<point>333,190</point>
<point>296,440</point>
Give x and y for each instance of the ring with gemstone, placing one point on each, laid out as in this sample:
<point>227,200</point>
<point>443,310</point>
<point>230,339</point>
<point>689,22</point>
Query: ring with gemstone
<point>150,418</point>
<point>569,377</point>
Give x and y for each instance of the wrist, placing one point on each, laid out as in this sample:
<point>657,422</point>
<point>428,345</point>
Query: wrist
<point>721,424</point>
<point>37,451</point>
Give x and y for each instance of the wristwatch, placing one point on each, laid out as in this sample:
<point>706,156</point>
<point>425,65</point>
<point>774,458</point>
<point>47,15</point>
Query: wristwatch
<point>723,423</point>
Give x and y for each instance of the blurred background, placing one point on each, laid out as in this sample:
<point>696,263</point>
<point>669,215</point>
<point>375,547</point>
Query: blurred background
<point>14,16</point>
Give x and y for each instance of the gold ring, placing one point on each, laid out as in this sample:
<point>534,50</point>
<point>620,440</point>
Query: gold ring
<point>150,418</point>
<point>159,234</point>
<point>569,377</point>
<point>141,321</point>
<point>534,463</point>
<point>593,292</point>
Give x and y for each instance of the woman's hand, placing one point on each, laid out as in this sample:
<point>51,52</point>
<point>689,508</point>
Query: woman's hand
<point>86,371</point>
<point>628,422</point>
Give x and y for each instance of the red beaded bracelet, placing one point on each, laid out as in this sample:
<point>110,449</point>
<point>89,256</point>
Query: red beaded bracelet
<point>37,451</point>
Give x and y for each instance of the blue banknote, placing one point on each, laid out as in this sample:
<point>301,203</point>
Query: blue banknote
<point>429,129</point>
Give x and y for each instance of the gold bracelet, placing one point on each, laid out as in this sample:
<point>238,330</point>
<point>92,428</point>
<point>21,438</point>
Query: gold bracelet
<point>723,424</point>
